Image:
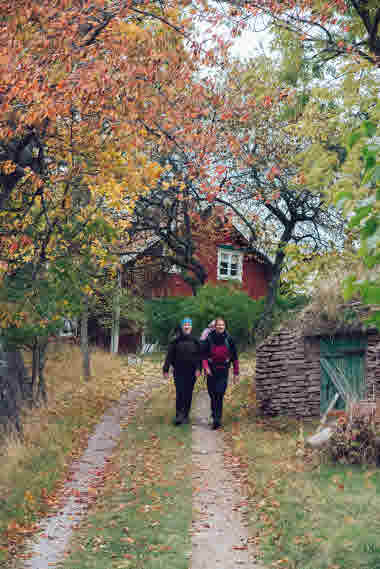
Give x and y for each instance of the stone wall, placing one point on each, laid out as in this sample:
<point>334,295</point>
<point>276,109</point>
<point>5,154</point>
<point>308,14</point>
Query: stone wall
<point>373,364</point>
<point>288,373</point>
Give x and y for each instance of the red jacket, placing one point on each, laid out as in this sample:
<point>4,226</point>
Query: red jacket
<point>220,353</point>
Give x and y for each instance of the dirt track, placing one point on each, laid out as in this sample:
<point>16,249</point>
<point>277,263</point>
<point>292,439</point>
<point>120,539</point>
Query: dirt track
<point>220,538</point>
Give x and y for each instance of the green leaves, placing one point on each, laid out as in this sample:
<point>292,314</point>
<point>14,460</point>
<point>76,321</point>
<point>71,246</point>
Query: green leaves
<point>366,216</point>
<point>240,311</point>
<point>354,138</point>
<point>369,128</point>
<point>360,214</point>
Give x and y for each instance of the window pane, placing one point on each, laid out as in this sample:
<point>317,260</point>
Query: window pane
<point>234,265</point>
<point>223,268</point>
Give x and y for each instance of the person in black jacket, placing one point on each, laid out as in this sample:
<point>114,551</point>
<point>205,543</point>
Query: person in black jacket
<point>184,355</point>
<point>219,352</point>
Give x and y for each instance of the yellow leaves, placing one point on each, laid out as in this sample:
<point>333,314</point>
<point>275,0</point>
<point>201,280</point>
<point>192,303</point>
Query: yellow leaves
<point>8,167</point>
<point>28,497</point>
<point>130,29</point>
<point>123,176</point>
<point>299,179</point>
<point>68,202</point>
<point>153,169</point>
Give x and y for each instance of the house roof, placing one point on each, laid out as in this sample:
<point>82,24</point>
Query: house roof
<point>256,251</point>
<point>139,246</point>
<point>143,243</point>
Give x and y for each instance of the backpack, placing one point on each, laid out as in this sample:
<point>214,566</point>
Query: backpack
<point>227,341</point>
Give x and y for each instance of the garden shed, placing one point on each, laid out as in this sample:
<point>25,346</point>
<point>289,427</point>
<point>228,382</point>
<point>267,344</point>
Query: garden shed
<point>294,364</point>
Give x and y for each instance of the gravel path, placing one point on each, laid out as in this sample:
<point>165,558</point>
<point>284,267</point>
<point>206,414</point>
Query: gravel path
<point>219,536</point>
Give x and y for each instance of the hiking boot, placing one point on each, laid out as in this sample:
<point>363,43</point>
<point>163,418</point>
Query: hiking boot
<point>179,419</point>
<point>216,425</point>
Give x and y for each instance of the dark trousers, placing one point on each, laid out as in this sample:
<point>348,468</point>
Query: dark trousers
<point>184,381</point>
<point>216,387</point>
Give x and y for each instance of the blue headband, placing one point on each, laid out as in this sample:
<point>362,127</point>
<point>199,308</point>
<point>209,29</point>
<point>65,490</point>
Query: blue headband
<point>186,321</point>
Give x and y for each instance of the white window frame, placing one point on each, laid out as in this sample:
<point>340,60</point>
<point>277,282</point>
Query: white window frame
<point>174,270</point>
<point>228,253</point>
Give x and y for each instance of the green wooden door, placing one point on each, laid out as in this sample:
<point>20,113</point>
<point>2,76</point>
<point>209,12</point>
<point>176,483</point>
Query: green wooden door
<point>346,354</point>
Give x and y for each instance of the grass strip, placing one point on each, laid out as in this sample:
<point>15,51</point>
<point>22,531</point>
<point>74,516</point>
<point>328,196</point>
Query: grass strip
<point>303,513</point>
<point>142,518</point>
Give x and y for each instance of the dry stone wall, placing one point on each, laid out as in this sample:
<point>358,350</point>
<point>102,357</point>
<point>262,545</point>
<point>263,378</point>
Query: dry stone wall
<point>373,364</point>
<point>288,376</point>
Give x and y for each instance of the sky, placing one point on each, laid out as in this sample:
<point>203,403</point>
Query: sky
<point>250,43</point>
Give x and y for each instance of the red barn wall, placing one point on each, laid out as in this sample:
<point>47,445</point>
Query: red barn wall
<point>255,278</point>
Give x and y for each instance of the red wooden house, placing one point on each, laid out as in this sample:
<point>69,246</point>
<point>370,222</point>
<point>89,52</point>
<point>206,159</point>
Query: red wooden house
<point>224,261</point>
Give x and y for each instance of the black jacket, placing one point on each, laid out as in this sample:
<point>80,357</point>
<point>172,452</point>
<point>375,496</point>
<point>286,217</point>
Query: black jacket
<point>184,353</point>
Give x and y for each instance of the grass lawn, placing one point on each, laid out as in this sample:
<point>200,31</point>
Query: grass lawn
<point>143,517</point>
<point>304,512</point>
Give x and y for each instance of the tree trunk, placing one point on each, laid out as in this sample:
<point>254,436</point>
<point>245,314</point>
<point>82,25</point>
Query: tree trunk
<point>116,317</point>
<point>42,392</point>
<point>35,366</point>
<point>84,341</point>
<point>14,389</point>
<point>195,282</point>
<point>266,320</point>
<point>194,290</point>
<point>265,324</point>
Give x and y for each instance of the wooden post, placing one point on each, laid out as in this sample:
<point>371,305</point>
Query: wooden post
<point>115,333</point>
<point>84,340</point>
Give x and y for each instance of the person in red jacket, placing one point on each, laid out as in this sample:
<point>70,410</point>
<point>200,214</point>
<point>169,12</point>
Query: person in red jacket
<point>219,351</point>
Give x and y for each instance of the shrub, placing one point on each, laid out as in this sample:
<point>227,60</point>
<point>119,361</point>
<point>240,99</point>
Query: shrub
<point>162,317</point>
<point>240,311</point>
<point>353,442</point>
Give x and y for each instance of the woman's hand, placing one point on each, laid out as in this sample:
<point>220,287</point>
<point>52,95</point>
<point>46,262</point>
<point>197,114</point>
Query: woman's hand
<point>235,378</point>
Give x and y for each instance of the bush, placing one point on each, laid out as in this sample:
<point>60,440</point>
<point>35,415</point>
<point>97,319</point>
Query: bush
<point>162,317</point>
<point>353,442</point>
<point>240,311</point>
